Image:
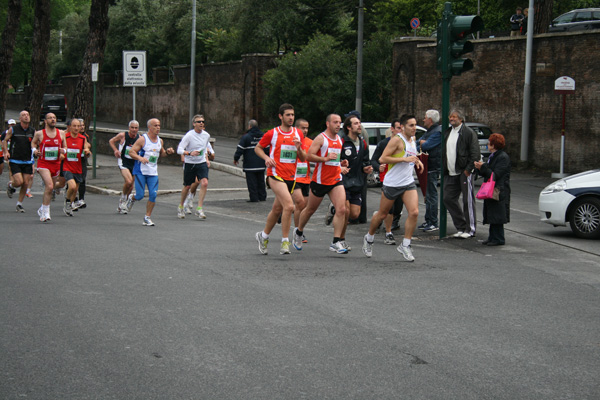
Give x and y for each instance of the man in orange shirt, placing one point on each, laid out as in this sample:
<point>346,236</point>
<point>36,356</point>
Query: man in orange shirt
<point>325,151</point>
<point>285,143</point>
<point>300,195</point>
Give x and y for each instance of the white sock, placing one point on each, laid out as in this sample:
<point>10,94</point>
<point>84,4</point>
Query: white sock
<point>19,203</point>
<point>46,208</point>
<point>405,242</point>
<point>264,235</point>
<point>285,240</point>
<point>370,238</point>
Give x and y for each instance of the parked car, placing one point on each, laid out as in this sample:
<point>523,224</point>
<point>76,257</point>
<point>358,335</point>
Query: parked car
<point>577,20</point>
<point>483,134</point>
<point>576,200</point>
<point>54,103</point>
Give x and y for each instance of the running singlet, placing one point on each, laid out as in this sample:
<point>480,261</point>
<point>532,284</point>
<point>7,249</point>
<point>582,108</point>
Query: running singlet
<point>151,153</point>
<point>72,162</point>
<point>401,174</point>
<point>283,151</point>
<point>49,149</point>
<point>126,146</point>
<point>303,167</point>
<point>329,173</point>
<point>20,145</point>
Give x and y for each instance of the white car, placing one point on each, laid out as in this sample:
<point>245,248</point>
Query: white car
<point>576,200</point>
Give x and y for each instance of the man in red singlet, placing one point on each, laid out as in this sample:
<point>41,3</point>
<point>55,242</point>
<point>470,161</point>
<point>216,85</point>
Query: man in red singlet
<point>77,149</point>
<point>285,143</point>
<point>50,146</point>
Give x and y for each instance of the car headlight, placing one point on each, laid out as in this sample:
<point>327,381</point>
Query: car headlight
<point>557,186</point>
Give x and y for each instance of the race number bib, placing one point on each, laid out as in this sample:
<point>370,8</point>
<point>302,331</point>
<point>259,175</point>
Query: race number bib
<point>152,159</point>
<point>287,154</point>
<point>127,148</point>
<point>335,162</point>
<point>301,170</point>
<point>51,153</point>
<point>72,154</point>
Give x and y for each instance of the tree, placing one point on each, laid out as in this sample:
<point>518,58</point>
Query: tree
<point>542,16</point>
<point>9,37</point>
<point>39,59</point>
<point>94,53</point>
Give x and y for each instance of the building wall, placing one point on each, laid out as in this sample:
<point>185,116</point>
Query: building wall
<point>492,92</point>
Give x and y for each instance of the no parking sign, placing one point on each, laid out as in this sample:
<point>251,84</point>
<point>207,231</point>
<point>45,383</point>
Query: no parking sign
<point>415,23</point>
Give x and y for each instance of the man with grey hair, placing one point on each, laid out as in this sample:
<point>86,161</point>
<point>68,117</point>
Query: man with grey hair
<point>121,143</point>
<point>431,143</point>
<point>254,166</point>
<point>462,150</point>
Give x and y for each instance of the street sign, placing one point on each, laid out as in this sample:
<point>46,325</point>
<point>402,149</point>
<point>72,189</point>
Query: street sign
<point>415,23</point>
<point>564,85</point>
<point>134,68</point>
<point>94,72</point>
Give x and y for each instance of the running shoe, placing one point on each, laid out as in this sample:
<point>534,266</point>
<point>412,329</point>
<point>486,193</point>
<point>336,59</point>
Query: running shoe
<point>423,226</point>
<point>130,201</point>
<point>67,209</point>
<point>28,194</point>
<point>147,221</point>
<point>262,243</point>
<point>10,190</point>
<point>200,213</point>
<point>188,204</point>
<point>406,252</point>
<point>330,214</point>
<point>20,208</point>
<point>389,238</point>
<point>79,204</point>
<point>338,247</point>
<point>367,247</point>
<point>297,239</point>
<point>430,228</point>
<point>345,245</point>
<point>119,206</point>
<point>48,215</point>
<point>304,239</point>
<point>180,212</point>
<point>54,193</point>
<point>42,215</point>
<point>285,247</point>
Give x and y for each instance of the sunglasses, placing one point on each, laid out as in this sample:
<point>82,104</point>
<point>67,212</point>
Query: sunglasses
<point>199,122</point>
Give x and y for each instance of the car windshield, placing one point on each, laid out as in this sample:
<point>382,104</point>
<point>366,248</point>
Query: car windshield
<point>565,18</point>
<point>483,132</point>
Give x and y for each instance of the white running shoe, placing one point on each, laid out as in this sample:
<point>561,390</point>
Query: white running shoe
<point>262,243</point>
<point>389,238</point>
<point>338,248</point>
<point>123,206</point>
<point>130,201</point>
<point>297,240</point>
<point>77,204</point>
<point>367,247</point>
<point>200,213</point>
<point>188,204</point>
<point>285,247</point>
<point>67,209</point>
<point>147,221</point>
<point>42,214</point>
<point>406,252</point>
<point>345,245</point>
<point>458,234</point>
<point>180,212</point>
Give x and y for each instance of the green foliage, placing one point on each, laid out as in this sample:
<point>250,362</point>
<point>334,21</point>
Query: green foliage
<point>377,78</point>
<point>74,29</point>
<point>318,80</point>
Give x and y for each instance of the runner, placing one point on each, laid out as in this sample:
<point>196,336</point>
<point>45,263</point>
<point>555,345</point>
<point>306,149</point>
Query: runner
<point>77,149</point>
<point>11,123</point>
<point>146,151</point>
<point>80,201</point>
<point>285,144</point>
<point>121,144</point>
<point>300,194</point>
<point>401,157</point>
<point>20,157</point>
<point>195,148</point>
<point>50,146</point>
<point>326,180</point>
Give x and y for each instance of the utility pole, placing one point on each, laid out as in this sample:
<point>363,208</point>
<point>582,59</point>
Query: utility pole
<point>193,67</point>
<point>359,56</point>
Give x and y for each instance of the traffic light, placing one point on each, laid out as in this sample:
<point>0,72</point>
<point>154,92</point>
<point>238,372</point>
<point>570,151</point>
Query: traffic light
<point>460,28</point>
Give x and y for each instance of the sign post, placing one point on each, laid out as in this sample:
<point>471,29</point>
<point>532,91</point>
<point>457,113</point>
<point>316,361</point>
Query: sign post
<point>134,71</point>
<point>563,86</point>
<point>94,140</point>
<point>414,24</point>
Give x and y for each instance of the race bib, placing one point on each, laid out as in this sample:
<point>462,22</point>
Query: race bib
<point>336,161</point>
<point>287,154</point>
<point>301,170</point>
<point>72,154</point>
<point>51,153</point>
<point>127,148</point>
<point>152,159</point>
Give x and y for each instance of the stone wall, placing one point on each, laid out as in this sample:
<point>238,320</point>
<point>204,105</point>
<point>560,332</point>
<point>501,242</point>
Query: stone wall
<point>492,93</point>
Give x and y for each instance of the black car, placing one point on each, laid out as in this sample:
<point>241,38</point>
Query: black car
<point>577,20</point>
<point>56,104</point>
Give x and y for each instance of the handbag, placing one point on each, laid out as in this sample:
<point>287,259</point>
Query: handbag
<point>488,190</point>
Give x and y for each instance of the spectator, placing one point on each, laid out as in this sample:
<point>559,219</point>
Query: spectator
<point>254,166</point>
<point>431,143</point>
<point>515,23</point>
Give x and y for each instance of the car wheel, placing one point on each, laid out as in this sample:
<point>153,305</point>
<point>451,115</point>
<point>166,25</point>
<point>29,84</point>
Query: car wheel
<point>584,218</point>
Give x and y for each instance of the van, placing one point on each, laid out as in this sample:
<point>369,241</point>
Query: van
<point>56,104</point>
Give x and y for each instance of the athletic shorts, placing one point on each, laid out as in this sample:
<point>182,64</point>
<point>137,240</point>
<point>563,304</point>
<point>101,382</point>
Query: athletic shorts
<point>1,160</point>
<point>193,171</point>
<point>21,168</point>
<point>303,187</point>
<point>54,168</point>
<point>291,185</point>
<point>121,167</point>
<point>392,193</point>
<point>69,175</point>
<point>321,190</point>
<point>354,197</point>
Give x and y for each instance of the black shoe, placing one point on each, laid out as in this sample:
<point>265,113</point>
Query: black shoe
<point>495,244</point>
<point>485,242</point>
<point>251,201</point>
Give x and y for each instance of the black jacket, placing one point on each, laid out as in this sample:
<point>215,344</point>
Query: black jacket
<point>245,148</point>
<point>467,149</point>
<point>497,211</point>
<point>433,147</point>
<point>357,160</point>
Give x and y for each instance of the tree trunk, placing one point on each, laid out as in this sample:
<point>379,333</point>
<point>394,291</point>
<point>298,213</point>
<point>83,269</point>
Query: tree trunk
<point>9,37</point>
<point>94,53</point>
<point>39,59</point>
<point>543,16</point>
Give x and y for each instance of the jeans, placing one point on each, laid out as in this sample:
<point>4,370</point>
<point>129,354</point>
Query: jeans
<point>431,198</point>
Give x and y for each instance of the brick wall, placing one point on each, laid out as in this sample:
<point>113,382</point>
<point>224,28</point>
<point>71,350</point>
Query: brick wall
<point>492,92</point>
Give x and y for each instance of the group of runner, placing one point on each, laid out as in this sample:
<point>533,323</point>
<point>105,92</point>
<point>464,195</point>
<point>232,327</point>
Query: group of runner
<point>288,158</point>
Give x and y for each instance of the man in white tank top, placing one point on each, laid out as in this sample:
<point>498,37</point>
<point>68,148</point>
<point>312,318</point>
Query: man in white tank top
<point>401,155</point>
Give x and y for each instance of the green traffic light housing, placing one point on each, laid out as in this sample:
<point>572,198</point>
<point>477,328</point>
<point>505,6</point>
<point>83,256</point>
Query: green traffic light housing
<point>460,27</point>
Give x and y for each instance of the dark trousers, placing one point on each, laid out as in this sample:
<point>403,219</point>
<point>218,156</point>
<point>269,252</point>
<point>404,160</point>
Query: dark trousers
<point>431,199</point>
<point>496,233</point>
<point>255,180</point>
<point>463,216</point>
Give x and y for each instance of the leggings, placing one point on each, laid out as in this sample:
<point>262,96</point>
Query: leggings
<point>141,181</point>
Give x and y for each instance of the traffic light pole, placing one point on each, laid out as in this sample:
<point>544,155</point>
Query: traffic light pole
<point>446,76</point>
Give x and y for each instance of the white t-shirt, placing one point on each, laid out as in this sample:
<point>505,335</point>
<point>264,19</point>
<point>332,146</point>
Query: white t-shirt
<point>401,174</point>
<point>451,151</point>
<point>194,141</point>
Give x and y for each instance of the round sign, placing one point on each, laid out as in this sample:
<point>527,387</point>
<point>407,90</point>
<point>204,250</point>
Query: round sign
<point>415,23</point>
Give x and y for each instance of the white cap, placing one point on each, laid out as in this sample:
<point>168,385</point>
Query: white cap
<point>12,122</point>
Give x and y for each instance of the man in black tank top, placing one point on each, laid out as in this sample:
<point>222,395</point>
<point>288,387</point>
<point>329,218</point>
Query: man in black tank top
<point>121,144</point>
